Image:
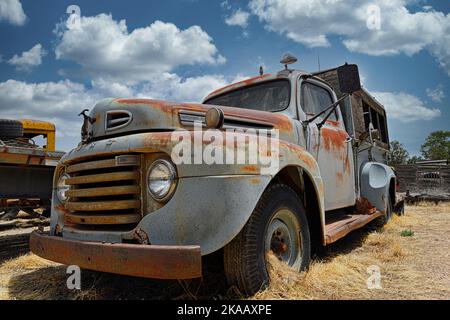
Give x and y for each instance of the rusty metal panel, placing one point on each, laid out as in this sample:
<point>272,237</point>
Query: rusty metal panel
<point>103,191</point>
<point>26,182</point>
<point>233,192</point>
<point>101,164</point>
<point>103,177</point>
<point>335,230</point>
<point>102,205</point>
<point>332,149</point>
<point>102,219</point>
<point>149,261</point>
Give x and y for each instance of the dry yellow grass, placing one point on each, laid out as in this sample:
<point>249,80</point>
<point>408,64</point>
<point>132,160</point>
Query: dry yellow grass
<point>416,267</point>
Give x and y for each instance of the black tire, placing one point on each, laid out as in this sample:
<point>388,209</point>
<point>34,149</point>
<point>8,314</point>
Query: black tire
<point>245,260</point>
<point>10,129</point>
<point>388,215</point>
<point>9,214</point>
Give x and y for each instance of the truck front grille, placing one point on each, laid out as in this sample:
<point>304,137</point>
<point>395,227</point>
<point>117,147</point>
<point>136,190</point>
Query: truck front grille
<point>104,192</point>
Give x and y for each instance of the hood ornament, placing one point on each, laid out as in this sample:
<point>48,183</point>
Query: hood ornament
<point>87,120</point>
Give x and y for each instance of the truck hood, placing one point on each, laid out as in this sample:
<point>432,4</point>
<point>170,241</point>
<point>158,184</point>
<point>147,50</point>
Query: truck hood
<point>116,117</point>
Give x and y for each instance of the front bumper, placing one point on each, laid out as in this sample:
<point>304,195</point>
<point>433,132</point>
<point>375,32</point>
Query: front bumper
<point>149,261</point>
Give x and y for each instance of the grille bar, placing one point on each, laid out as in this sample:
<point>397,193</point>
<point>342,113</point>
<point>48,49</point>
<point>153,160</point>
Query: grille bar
<point>104,192</point>
<point>103,219</point>
<point>101,164</point>
<point>103,205</point>
<point>104,177</point>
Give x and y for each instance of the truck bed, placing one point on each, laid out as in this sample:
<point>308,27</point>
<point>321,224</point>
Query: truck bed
<point>26,172</point>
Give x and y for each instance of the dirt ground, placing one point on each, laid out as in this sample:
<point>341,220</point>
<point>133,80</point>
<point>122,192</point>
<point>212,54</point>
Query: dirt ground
<point>412,253</point>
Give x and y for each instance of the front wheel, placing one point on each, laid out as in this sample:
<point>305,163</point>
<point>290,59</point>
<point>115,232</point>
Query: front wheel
<point>278,224</point>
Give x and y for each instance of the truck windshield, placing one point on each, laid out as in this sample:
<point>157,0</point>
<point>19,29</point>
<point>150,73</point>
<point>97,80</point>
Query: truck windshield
<point>267,96</point>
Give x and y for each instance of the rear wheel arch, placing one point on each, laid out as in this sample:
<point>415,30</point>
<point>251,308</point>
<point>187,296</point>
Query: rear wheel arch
<point>392,192</point>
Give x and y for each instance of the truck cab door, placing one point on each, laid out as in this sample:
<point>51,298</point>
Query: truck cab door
<point>331,145</point>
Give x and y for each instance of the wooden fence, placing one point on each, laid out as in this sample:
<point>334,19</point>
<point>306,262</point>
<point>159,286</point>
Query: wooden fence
<point>433,179</point>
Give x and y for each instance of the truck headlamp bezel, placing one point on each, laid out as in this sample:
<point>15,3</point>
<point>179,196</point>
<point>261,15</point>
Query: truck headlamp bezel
<point>165,178</point>
<point>62,187</point>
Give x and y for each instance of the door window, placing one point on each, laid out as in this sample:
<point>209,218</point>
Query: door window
<point>316,99</point>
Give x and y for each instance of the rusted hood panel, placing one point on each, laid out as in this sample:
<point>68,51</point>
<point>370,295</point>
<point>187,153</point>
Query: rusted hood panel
<point>156,115</point>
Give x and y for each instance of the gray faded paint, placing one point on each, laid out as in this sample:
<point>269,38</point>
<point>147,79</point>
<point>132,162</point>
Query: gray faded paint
<point>375,181</point>
<point>213,202</point>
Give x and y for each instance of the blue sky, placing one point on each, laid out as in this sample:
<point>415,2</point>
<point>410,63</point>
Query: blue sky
<point>49,72</point>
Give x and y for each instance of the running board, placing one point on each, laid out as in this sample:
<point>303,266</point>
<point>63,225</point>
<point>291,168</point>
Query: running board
<point>343,225</point>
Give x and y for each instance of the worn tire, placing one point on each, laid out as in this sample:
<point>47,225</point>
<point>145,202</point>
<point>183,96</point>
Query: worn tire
<point>10,129</point>
<point>9,214</point>
<point>388,216</point>
<point>245,260</point>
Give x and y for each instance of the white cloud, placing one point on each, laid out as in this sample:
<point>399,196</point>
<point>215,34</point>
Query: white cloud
<point>437,94</point>
<point>405,107</point>
<point>46,99</point>
<point>401,31</point>
<point>12,12</point>
<point>172,87</point>
<point>106,49</point>
<point>57,102</point>
<point>28,59</point>
<point>238,18</point>
<point>60,102</point>
<point>225,5</point>
<point>107,88</point>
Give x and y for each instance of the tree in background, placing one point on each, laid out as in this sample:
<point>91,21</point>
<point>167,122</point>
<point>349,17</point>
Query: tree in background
<point>397,154</point>
<point>414,159</point>
<point>437,146</point>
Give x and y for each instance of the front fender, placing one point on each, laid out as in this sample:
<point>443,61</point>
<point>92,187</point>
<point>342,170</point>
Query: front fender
<point>211,204</point>
<point>375,181</point>
<point>212,210</point>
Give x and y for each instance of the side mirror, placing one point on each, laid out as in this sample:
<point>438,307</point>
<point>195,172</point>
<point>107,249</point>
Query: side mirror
<point>349,81</point>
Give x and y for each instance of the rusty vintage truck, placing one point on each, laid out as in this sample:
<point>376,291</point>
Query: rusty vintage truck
<point>27,163</point>
<point>122,204</point>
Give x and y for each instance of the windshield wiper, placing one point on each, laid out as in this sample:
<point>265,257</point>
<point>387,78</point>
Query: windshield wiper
<point>329,109</point>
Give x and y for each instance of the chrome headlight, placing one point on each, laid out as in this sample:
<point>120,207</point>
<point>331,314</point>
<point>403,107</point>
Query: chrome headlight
<point>62,187</point>
<point>161,179</point>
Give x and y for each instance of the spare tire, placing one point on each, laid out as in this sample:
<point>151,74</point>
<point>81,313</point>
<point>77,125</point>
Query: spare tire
<point>10,128</point>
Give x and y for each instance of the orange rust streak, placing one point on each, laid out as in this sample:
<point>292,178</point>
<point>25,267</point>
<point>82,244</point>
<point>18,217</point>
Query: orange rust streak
<point>333,139</point>
<point>282,122</point>
<point>347,164</point>
<point>250,168</point>
<point>333,123</point>
<point>255,181</point>
<point>301,153</point>
<point>150,261</point>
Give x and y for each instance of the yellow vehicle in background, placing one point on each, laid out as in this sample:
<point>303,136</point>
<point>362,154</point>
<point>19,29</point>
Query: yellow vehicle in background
<point>27,163</point>
<point>34,128</point>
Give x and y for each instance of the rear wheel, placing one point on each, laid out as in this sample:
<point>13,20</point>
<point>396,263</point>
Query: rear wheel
<point>278,224</point>
<point>388,214</point>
